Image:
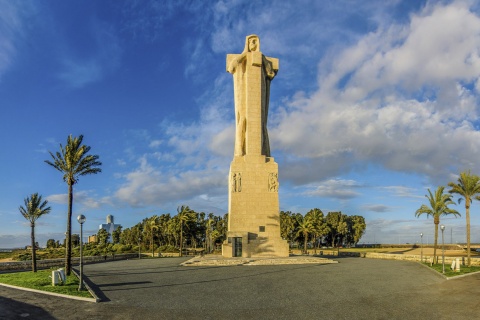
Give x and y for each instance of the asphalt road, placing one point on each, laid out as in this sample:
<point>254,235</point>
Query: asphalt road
<point>355,288</point>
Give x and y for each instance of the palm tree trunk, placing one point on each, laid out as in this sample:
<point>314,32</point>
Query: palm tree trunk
<point>305,244</point>
<point>435,260</point>
<point>467,209</point>
<point>153,252</point>
<point>34,257</point>
<point>181,237</point>
<point>68,244</point>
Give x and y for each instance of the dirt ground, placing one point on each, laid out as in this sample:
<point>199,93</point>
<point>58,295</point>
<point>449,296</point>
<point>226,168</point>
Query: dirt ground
<point>409,251</point>
<point>426,251</point>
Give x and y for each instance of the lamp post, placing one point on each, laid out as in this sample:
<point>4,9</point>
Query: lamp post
<point>421,248</point>
<point>443,250</point>
<point>81,219</point>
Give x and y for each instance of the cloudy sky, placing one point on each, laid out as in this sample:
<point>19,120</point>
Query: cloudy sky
<point>374,103</point>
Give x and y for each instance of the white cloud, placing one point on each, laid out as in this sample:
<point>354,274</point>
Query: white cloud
<point>335,188</point>
<point>12,16</point>
<point>150,186</point>
<point>376,208</point>
<point>401,191</point>
<point>393,100</point>
<point>82,198</point>
<point>155,143</point>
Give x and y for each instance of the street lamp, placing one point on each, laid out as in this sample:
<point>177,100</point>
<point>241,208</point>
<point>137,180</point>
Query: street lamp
<point>81,219</point>
<point>421,248</point>
<point>443,250</point>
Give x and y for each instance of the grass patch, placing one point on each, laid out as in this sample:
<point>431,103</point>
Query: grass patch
<point>450,273</point>
<point>41,280</point>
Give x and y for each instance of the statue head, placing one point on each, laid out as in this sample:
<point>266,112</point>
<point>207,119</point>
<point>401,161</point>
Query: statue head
<point>252,43</point>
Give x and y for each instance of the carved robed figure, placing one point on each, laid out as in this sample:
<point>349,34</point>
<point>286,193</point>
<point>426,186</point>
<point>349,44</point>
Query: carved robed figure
<point>247,68</point>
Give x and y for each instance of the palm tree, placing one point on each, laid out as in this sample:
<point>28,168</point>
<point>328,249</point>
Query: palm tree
<point>468,187</point>
<point>34,209</point>
<point>438,207</point>
<point>184,214</point>
<point>152,226</point>
<point>73,161</point>
<point>305,228</point>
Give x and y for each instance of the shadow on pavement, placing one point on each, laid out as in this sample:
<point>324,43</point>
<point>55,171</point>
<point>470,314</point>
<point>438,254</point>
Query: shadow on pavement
<point>100,295</point>
<point>22,310</point>
<point>192,269</point>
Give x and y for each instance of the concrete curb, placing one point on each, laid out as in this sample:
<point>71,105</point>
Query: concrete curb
<point>92,292</point>
<point>49,293</point>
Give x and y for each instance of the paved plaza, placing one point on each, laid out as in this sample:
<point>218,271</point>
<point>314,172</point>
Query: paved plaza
<point>354,288</point>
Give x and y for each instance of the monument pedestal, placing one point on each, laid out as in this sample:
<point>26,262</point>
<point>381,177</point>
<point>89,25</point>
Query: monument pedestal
<point>253,209</point>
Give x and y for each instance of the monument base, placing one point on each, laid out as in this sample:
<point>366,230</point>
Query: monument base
<point>244,244</point>
<point>254,215</point>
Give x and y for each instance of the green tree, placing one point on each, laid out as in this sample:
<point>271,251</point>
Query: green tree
<point>320,228</point>
<point>305,228</point>
<point>151,227</point>
<point>51,244</point>
<point>358,227</point>
<point>184,215</point>
<point>209,228</point>
<point>73,161</point>
<point>439,203</point>
<point>75,240</point>
<point>337,224</point>
<point>102,237</point>
<point>116,235</point>
<point>468,187</point>
<point>34,209</point>
<point>288,225</point>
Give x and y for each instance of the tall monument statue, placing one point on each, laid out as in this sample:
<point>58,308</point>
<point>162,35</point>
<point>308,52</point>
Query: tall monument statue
<point>251,65</point>
<point>254,218</point>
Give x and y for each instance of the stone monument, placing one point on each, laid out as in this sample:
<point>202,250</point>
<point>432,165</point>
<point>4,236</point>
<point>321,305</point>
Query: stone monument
<point>253,207</point>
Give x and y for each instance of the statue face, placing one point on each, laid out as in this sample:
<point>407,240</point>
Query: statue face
<point>252,44</point>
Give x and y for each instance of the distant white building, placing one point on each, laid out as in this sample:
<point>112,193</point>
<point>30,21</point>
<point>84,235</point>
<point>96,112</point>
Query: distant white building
<point>109,226</point>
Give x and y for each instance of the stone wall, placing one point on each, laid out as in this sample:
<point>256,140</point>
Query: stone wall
<point>49,263</point>
<point>390,256</point>
<point>408,257</point>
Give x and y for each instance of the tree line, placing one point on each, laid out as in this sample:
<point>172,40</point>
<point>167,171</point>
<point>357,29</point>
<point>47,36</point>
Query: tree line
<point>198,230</point>
<point>334,229</point>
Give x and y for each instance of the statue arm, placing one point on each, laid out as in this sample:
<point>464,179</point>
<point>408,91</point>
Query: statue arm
<point>269,68</point>
<point>232,66</point>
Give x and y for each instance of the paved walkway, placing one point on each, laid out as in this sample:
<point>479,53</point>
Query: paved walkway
<point>354,288</point>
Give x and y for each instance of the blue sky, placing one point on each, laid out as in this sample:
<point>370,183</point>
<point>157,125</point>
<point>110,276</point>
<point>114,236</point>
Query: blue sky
<point>374,102</point>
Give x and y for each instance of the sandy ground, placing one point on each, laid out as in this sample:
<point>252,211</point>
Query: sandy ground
<point>426,252</point>
<point>410,251</point>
